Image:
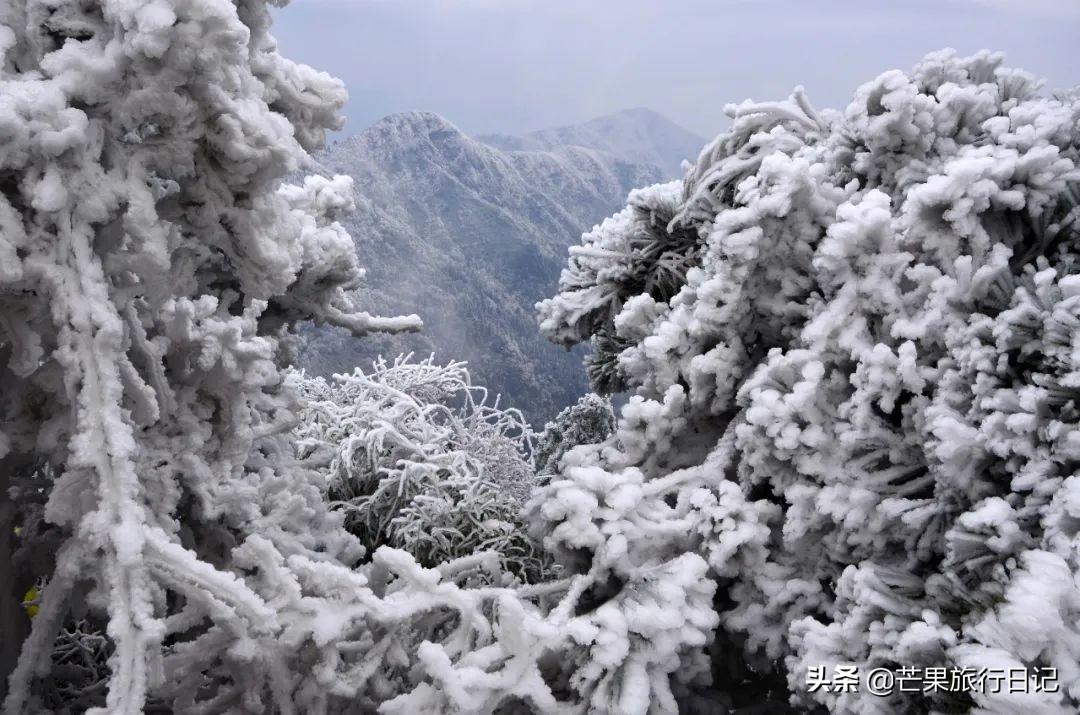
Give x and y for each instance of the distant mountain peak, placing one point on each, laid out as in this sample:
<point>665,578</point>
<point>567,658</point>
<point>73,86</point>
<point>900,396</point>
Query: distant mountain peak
<point>406,127</point>
<point>642,112</point>
<point>638,134</point>
<point>397,137</point>
<point>469,236</point>
<point>419,121</point>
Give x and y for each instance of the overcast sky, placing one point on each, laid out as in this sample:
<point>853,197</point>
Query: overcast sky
<point>515,65</point>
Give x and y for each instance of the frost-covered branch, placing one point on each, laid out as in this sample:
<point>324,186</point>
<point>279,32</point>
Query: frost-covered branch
<point>149,261</point>
<point>857,402</point>
<point>416,459</point>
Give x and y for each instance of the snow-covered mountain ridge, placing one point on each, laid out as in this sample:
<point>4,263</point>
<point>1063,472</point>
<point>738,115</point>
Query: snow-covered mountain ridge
<point>469,234</point>
<point>639,135</point>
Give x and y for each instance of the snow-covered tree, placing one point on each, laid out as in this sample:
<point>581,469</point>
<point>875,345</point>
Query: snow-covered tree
<point>150,265</point>
<point>853,343</point>
<point>419,460</point>
<point>184,553</point>
<point>590,420</point>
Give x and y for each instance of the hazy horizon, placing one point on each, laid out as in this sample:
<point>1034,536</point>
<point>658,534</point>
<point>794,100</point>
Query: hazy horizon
<point>354,130</point>
<point>514,66</point>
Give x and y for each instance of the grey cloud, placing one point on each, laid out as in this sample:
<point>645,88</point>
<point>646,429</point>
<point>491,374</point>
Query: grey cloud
<point>515,65</point>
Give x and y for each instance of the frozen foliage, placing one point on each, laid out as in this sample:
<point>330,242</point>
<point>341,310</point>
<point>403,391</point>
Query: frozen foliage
<point>150,264</point>
<point>853,343</point>
<point>419,461</point>
<point>79,672</point>
<point>590,420</point>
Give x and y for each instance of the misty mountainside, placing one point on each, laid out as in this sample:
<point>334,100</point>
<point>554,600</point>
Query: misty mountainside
<point>470,235</point>
<point>639,135</point>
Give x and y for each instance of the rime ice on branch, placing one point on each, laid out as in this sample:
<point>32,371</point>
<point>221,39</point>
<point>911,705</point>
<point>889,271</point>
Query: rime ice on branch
<point>419,459</point>
<point>853,342</point>
<point>853,345</point>
<point>149,261</point>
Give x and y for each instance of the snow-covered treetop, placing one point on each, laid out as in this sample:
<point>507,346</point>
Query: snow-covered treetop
<point>590,420</point>
<point>149,262</point>
<point>852,341</point>
<point>956,139</point>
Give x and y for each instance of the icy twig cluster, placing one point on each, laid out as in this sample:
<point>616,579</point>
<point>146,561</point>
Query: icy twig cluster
<point>417,460</point>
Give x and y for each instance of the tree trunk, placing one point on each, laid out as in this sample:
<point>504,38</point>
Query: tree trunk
<point>14,625</point>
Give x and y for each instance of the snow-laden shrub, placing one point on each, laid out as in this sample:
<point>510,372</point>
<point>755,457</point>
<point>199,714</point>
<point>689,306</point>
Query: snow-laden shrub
<point>590,420</point>
<point>150,266</point>
<point>418,460</point>
<point>853,343</point>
